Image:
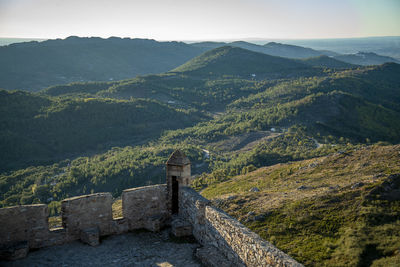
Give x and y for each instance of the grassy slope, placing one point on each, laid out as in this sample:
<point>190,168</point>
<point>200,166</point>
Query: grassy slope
<point>312,210</point>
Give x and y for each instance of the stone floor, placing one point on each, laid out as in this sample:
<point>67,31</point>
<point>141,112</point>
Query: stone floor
<point>131,249</point>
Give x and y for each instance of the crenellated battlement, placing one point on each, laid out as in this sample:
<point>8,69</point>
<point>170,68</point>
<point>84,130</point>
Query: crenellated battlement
<point>27,227</point>
<point>87,218</point>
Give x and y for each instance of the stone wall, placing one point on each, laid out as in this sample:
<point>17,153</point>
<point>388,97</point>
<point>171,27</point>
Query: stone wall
<point>90,216</point>
<point>236,242</point>
<point>87,212</point>
<point>240,244</point>
<point>24,223</point>
<point>83,217</point>
<point>26,227</point>
<point>192,208</point>
<point>143,207</point>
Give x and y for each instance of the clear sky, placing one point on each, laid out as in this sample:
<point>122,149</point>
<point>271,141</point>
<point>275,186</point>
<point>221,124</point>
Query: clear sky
<point>200,19</point>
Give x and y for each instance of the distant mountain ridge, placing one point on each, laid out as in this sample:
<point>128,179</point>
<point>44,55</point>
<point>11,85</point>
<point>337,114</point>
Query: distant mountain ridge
<point>229,60</point>
<point>271,48</point>
<point>326,62</point>
<point>35,65</point>
<point>300,52</point>
<point>365,58</point>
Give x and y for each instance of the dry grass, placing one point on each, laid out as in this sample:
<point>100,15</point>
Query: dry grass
<point>117,208</point>
<point>55,222</point>
<point>280,184</point>
<point>320,211</point>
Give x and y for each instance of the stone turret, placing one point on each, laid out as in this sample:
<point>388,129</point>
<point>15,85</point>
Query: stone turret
<point>178,174</point>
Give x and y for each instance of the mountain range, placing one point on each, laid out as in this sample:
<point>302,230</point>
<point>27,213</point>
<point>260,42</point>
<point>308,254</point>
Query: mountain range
<point>36,65</point>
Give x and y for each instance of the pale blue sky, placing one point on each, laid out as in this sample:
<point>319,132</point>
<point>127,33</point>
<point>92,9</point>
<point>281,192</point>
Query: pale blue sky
<point>202,19</point>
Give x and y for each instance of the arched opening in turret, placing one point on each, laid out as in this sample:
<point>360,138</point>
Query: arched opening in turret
<point>175,195</point>
<point>178,174</point>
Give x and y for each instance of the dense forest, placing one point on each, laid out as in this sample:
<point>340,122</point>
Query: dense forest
<point>35,65</point>
<point>38,129</point>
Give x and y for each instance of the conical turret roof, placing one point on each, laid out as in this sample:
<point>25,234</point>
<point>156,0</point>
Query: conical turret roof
<point>178,158</point>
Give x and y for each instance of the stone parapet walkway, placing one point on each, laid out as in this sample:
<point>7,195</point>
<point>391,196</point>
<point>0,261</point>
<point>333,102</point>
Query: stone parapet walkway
<point>131,249</point>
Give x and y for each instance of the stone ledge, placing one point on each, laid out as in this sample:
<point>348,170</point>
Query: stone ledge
<point>230,234</point>
<point>14,251</point>
<point>146,188</point>
<point>90,236</point>
<point>119,225</point>
<point>181,227</point>
<point>95,195</point>
<point>210,256</point>
<point>156,222</point>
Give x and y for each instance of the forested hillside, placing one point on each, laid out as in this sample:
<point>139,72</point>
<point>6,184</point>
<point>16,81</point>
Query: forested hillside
<point>228,122</point>
<point>37,129</point>
<point>366,58</point>
<point>300,52</point>
<point>327,62</point>
<point>271,48</point>
<point>210,81</point>
<point>235,61</point>
<point>35,65</point>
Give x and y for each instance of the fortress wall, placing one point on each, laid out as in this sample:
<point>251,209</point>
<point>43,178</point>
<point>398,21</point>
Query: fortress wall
<point>144,206</point>
<point>229,236</point>
<point>83,217</point>
<point>192,208</point>
<point>27,223</point>
<point>90,216</point>
<point>236,242</point>
<point>86,212</point>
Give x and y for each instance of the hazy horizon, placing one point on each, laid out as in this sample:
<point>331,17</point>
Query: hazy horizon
<point>206,20</point>
<point>250,39</point>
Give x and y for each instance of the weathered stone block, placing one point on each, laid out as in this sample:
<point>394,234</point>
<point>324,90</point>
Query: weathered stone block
<point>84,212</point>
<point>14,250</point>
<point>119,226</point>
<point>210,256</point>
<point>140,204</point>
<point>181,227</point>
<point>90,236</point>
<point>156,222</point>
<point>24,223</point>
<point>57,236</point>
